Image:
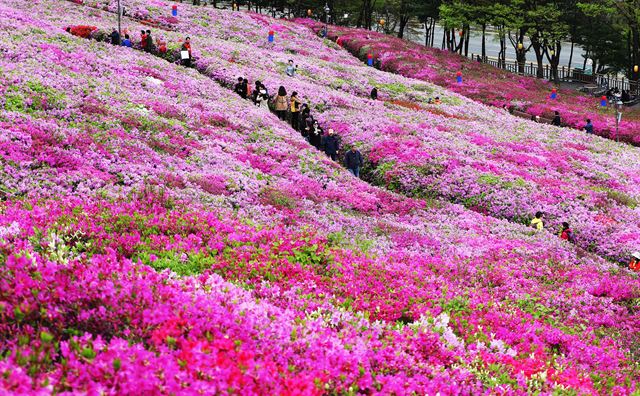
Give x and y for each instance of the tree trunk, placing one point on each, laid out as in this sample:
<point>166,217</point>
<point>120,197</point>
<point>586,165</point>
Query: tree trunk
<point>433,31</point>
<point>539,53</point>
<point>521,55</point>
<point>554,61</point>
<point>367,8</point>
<point>502,55</point>
<point>446,37</point>
<point>571,54</point>
<point>360,17</point>
<point>484,41</point>
<point>466,43</point>
<point>635,53</point>
<point>404,19</point>
<point>426,33</point>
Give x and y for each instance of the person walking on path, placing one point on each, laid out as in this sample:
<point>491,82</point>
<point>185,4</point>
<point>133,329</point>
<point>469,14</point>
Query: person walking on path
<point>186,47</point>
<point>305,121</point>
<point>307,125</point>
<point>291,69</point>
<point>556,119</point>
<point>353,161</point>
<point>281,103</point>
<point>537,222</point>
<point>259,94</point>
<point>115,37</point>
<point>566,233</point>
<point>331,145</point>
<point>127,41</point>
<point>316,134</point>
<point>589,127</point>
<point>295,111</point>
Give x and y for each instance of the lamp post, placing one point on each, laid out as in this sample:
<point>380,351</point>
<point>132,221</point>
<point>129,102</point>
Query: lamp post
<point>618,106</point>
<point>119,24</point>
<point>326,17</point>
<point>519,54</point>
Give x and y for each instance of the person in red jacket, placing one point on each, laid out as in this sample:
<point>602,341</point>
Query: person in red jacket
<point>566,233</point>
<point>634,264</point>
<point>143,40</point>
<point>186,46</point>
<point>162,46</point>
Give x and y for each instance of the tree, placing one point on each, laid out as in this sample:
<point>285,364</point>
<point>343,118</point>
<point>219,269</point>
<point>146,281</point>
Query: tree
<point>623,15</point>
<point>428,14</point>
<point>456,15</point>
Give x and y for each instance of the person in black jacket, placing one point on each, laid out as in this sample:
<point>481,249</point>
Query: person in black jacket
<point>556,119</point>
<point>150,46</point>
<point>315,135</point>
<point>374,93</point>
<point>331,145</point>
<point>353,161</point>
<point>306,121</point>
<point>238,88</point>
<point>115,37</point>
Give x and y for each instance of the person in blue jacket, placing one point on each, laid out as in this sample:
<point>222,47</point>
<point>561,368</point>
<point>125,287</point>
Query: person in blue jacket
<point>331,144</point>
<point>589,127</point>
<point>353,161</point>
<point>127,41</point>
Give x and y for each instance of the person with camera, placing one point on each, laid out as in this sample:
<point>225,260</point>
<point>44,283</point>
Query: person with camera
<point>260,94</point>
<point>291,69</point>
<point>315,135</point>
<point>185,52</point>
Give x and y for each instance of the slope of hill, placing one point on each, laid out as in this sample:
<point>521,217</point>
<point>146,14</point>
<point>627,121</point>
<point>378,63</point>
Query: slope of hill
<point>287,274</point>
<point>461,151</point>
<point>484,83</point>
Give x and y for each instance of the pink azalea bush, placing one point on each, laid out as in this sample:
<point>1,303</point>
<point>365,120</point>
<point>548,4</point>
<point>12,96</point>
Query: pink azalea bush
<point>161,236</point>
<point>483,83</point>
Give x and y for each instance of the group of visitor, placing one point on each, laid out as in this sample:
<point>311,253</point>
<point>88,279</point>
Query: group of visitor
<point>565,232</point>
<point>292,109</point>
<point>147,44</point>
<point>557,121</point>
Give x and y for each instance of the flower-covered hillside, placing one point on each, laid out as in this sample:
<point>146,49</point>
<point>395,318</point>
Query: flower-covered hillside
<point>467,153</point>
<point>287,275</point>
<point>483,83</point>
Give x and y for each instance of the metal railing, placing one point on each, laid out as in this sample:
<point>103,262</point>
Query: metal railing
<point>603,82</point>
